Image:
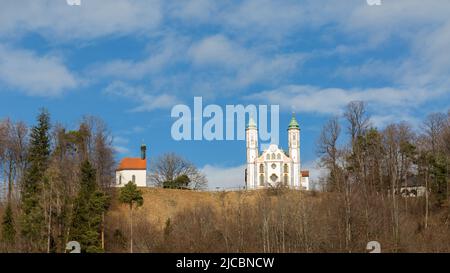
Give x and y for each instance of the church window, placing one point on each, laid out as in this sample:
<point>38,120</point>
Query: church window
<point>273,165</point>
<point>261,168</point>
<point>286,168</point>
<point>273,156</point>
<point>278,156</point>
<point>120,180</point>
<point>286,179</point>
<point>261,180</point>
<point>133,178</point>
<point>274,177</point>
<point>268,157</point>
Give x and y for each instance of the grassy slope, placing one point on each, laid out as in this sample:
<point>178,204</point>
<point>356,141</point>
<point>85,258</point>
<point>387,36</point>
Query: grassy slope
<point>161,204</point>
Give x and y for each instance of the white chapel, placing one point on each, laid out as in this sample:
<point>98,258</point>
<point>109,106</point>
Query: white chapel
<point>274,167</point>
<point>133,169</point>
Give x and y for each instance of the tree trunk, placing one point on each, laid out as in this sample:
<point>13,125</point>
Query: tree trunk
<point>131,228</point>
<point>103,231</point>
<point>49,224</point>
<point>426,199</point>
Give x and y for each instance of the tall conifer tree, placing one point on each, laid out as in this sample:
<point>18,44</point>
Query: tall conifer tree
<point>89,207</point>
<point>32,218</point>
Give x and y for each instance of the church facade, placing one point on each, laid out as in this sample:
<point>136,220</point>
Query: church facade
<point>273,166</point>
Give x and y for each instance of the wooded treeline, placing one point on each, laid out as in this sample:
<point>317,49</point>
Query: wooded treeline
<point>387,168</point>
<point>57,189</point>
<point>56,184</point>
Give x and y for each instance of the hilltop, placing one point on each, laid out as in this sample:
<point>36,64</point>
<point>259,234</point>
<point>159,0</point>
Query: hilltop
<point>162,204</point>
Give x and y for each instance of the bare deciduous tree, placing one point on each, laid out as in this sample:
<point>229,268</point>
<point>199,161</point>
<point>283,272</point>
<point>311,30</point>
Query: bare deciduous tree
<point>329,152</point>
<point>169,167</point>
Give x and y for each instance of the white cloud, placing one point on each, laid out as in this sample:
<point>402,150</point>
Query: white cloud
<point>146,102</point>
<point>251,19</point>
<point>120,145</point>
<point>121,149</point>
<point>120,140</point>
<point>266,18</point>
<point>35,75</point>
<point>218,50</point>
<point>93,18</point>
<point>312,99</point>
<point>239,66</point>
<point>165,51</point>
<point>224,177</point>
<point>194,10</point>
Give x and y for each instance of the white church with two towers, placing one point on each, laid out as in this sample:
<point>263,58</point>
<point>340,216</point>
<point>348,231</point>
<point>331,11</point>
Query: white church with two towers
<point>274,167</point>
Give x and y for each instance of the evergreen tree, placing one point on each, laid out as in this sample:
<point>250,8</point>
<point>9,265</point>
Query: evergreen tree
<point>89,207</point>
<point>32,218</point>
<point>130,194</point>
<point>8,229</point>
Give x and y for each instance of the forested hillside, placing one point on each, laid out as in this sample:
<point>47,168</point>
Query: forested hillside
<point>56,187</point>
<point>277,220</point>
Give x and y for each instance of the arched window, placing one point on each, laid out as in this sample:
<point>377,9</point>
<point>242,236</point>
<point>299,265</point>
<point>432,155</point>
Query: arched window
<point>261,168</point>
<point>278,156</point>
<point>133,178</point>
<point>261,180</point>
<point>268,157</point>
<point>273,156</point>
<point>286,168</point>
<point>286,179</point>
<point>120,180</point>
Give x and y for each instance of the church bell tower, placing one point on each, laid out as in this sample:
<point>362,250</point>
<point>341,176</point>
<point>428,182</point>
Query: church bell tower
<point>294,151</point>
<point>252,153</point>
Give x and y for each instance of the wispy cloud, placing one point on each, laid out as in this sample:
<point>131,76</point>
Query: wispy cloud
<point>121,149</point>
<point>240,66</point>
<point>120,145</point>
<point>164,51</point>
<point>44,76</point>
<point>313,99</point>
<point>146,102</point>
<point>94,18</point>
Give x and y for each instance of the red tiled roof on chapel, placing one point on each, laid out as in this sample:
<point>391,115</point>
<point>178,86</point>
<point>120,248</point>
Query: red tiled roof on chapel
<point>130,163</point>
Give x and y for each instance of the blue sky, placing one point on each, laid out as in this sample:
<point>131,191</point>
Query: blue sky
<point>130,61</point>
